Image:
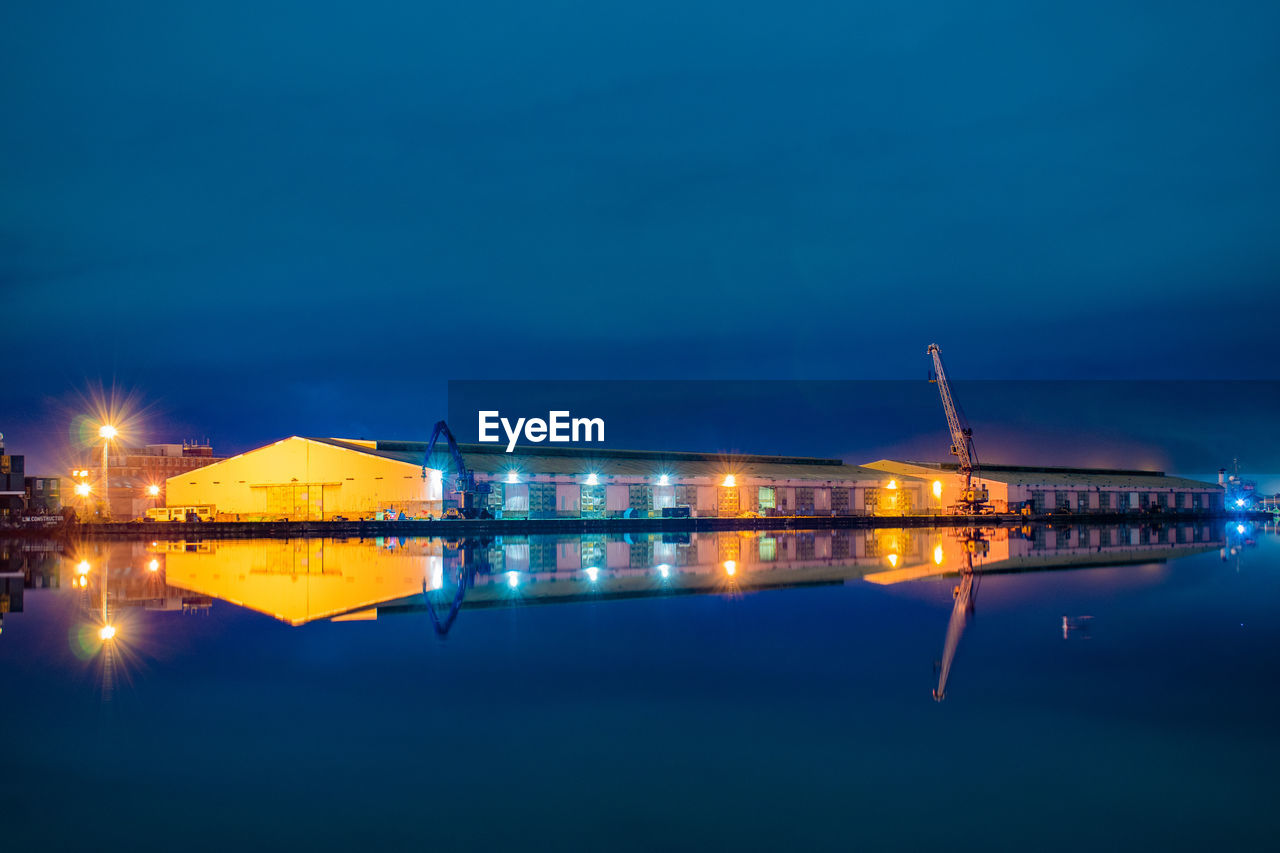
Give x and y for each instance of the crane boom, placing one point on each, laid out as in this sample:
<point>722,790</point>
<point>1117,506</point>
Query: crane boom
<point>459,466</point>
<point>961,435</point>
<point>972,499</point>
<point>463,481</point>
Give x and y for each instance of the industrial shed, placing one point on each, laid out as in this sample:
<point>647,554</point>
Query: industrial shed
<point>306,479</point>
<point>572,483</point>
<point>317,478</point>
<point>1079,490</point>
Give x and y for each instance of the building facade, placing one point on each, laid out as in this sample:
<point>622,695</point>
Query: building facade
<point>320,478</point>
<point>13,488</point>
<point>43,495</point>
<point>323,478</point>
<point>305,479</point>
<point>1074,490</point>
<point>133,474</point>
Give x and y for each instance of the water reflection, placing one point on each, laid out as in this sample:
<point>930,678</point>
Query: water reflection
<point>301,581</point>
<point>973,543</point>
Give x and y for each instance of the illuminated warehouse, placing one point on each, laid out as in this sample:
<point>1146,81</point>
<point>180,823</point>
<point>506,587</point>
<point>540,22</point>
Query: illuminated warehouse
<point>1077,490</point>
<point>323,478</point>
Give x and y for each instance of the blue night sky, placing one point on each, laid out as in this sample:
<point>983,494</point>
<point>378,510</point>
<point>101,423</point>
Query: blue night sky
<point>305,218</point>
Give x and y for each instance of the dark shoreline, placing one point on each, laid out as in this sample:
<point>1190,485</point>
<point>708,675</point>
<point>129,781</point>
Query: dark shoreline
<point>460,528</point>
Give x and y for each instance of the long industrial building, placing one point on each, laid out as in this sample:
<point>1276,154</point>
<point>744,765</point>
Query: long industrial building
<point>1077,490</point>
<point>321,478</point>
<point>301,478</point>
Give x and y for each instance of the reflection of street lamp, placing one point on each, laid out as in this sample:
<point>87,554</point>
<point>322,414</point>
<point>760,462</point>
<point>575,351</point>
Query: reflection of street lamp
<point>106,432</point>
<point>108,631</point>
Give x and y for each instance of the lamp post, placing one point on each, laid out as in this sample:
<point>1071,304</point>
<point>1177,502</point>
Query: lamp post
<point>153,492</point>
<point>106,432</point>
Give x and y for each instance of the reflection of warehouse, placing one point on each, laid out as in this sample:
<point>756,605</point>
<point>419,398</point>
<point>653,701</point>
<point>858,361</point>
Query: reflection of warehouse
<point>318,478</point>
<point>300,581</point>
<point>1080,490</point>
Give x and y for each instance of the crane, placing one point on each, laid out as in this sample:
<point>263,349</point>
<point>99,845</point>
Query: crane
<point>464,482</point>
<point>973,498</point>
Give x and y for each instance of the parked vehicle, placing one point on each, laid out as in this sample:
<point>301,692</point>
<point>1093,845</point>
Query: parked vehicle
<point>181,513</point>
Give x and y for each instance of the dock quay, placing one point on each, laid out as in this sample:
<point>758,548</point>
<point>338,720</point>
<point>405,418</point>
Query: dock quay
<point>463,528</point>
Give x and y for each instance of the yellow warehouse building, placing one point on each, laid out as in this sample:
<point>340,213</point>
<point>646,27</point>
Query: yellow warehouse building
<point>307,479</point>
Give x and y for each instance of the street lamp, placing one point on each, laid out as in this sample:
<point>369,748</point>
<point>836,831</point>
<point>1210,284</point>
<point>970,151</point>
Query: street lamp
<point>106,432</point>
<point>82,492</point>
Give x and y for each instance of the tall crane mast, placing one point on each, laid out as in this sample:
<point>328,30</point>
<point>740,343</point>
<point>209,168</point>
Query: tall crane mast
<point>973,499</point>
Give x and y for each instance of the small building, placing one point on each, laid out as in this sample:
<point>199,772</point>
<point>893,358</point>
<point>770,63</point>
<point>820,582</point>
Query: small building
<point>1077,490</point>
<point>13,494</point>
<point>132,475</point>
<point>43,495</point>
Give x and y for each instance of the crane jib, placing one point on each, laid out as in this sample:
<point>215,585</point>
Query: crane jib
<point>972,499</point>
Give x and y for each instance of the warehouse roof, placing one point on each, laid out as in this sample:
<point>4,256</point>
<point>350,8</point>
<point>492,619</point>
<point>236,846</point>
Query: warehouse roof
<point>1020,475</point>
<point>493,459</point>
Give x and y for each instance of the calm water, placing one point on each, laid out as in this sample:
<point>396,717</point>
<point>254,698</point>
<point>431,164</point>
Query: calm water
<point>1106,687</point>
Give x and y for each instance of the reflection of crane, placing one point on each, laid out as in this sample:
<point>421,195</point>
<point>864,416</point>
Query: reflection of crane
<point>466,578</point>
<point>974,545</point>
<point>469,559</point>
<point>973,499</point>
